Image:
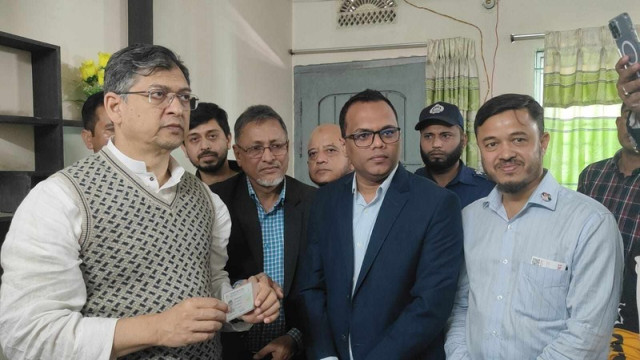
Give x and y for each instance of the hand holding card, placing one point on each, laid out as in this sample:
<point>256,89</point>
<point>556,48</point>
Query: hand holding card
<point>239,300</point>
<point>266,300</point>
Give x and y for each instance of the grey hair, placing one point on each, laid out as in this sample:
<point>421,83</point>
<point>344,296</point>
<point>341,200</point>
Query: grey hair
<point>139,59</point>
<point>257,113</point>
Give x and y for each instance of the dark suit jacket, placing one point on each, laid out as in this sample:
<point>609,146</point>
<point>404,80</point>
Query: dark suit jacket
<point>245,242</point>
<point>405,290</point>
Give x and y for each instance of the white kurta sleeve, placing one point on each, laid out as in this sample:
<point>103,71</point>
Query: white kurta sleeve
<point>43,290</point>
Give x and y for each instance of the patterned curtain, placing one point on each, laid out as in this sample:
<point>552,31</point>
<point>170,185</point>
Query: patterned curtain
<point>579,83</point>
<point>452,76</point>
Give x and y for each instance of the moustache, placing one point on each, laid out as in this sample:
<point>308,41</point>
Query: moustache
<point>207,153</point>
<point>274,165</point>
<point>511,161</point>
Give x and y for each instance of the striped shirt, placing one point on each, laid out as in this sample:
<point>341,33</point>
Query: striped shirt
<point>544,284</point>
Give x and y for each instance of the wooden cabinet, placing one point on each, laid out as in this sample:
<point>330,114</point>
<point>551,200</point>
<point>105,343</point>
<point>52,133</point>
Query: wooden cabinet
<point>46,122</point>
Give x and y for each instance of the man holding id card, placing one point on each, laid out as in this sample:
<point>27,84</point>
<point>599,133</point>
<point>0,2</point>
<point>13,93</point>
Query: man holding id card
<point>543,264</point>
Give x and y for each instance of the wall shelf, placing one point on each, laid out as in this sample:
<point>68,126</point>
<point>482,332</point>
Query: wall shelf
<point>73,123</point>
<point>28,120</point>
<point>46,122</point>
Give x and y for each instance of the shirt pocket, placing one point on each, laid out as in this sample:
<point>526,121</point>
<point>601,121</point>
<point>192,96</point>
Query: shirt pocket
<point>541,293</point>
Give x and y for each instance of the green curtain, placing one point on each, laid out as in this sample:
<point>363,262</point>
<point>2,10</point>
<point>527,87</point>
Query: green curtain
<point>579,81</point>
<point>452,76</point>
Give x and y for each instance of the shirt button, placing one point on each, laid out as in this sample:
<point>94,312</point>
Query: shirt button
<point>505,261</point>
<point>151,178</point>
<point>359,244</point>
<point>509,226</point>
<point>499,297</point>
<point>494,333</point>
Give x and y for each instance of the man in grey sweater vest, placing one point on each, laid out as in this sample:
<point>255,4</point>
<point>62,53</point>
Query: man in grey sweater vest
<point>123,253</point>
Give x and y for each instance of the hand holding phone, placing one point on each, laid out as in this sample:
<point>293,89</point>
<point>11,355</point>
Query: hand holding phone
<point>626,38</point>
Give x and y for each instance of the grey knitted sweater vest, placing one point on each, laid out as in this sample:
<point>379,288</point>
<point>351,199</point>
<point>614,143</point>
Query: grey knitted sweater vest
<point>141,255</point>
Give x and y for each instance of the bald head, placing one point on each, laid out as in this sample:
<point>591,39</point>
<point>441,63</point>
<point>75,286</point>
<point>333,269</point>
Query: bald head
<point>327,158</point>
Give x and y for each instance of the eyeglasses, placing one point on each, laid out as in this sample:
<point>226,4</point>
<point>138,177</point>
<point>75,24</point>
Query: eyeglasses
<point>364,139</point>
<point>161,97</point>
<point>256,151</point>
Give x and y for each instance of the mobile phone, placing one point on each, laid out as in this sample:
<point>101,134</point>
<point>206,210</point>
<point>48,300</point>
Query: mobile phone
<point>626,37</point>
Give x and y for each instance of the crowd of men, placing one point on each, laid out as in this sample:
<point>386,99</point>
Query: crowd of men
<point>126,255</point>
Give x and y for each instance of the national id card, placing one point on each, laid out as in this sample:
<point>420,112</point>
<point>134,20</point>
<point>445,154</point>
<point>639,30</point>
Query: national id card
<point>239,300</point>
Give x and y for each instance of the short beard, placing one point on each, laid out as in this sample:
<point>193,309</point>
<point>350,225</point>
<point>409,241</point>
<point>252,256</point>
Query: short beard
<point>213,168</point>
<point>441,166</point>
<point>270,183</point>
<point>511,187</point>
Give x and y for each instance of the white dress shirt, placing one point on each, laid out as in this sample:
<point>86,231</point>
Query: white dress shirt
<point>43,290</point>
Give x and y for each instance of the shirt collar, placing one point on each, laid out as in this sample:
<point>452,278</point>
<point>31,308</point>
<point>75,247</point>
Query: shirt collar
<point>382,189</point>
<point>140,168</point>
<point>545,195</point>
<point>464,175</point>
<point>616,159</point>
<point>280,202</point>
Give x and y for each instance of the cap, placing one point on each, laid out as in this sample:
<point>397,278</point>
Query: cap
<point>440,111</point>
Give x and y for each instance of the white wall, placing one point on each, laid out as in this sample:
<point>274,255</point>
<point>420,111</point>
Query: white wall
<point>315,26</point>
<point>81,28</point>
<point>236,50</point>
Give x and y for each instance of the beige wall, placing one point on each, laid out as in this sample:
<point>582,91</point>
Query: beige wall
<point>315,26</point>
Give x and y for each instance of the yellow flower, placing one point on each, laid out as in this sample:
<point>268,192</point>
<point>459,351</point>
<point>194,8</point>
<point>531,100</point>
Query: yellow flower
<point>101,77</point>
<point>103,58</point>
<point>88,69</point>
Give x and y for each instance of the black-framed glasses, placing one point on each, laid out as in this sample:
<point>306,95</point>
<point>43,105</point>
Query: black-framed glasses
<point>256,151</point>
<point>160,97</point>
<point>364,139</point>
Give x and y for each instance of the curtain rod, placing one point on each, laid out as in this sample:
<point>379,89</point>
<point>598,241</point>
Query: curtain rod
<point>292,52</point>
<point>356,48</point>
<point>518,37</point>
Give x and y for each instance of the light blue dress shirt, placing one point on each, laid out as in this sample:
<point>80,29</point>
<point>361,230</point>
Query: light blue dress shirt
<point>544,284</point>
<point>364,218</point>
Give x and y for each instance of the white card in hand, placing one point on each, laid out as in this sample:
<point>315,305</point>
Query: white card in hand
<point>239,300</point>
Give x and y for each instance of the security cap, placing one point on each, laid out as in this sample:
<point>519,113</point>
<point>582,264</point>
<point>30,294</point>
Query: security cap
<point>440,112</point>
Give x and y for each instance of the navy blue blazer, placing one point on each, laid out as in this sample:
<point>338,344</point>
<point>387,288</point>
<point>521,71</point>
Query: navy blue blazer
<point>405,290</point>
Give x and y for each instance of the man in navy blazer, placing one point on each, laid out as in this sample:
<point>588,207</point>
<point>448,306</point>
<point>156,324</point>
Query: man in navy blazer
<point>385,248</point>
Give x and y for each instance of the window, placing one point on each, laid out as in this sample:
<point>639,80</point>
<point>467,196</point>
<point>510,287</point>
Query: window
<point>580,135</point>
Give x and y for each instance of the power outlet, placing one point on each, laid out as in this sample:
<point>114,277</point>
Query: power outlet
<point>488,4</point>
